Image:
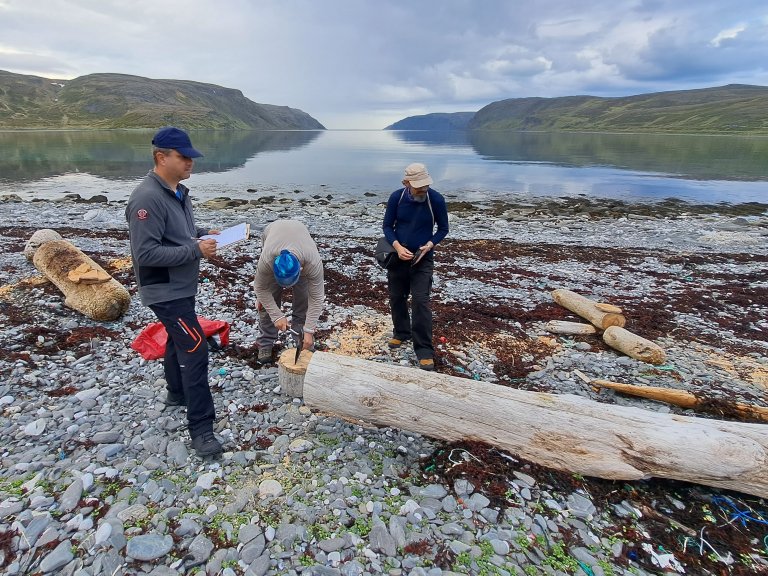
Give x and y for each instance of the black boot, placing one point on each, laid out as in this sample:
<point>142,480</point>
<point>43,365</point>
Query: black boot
<point>175,399</point>
<point>206,444</point>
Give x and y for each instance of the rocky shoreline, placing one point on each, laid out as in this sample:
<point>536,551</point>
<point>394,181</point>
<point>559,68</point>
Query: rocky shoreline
<point>98,477</point>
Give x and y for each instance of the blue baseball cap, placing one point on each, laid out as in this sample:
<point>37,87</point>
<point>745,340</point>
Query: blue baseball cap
<point>287,269</point>
<point>175,139</point>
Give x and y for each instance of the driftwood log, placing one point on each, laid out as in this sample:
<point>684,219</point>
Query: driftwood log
<point>634,346</point>
<point>565,432</point>
<point>587,309</point>
<point>565,327</point>
<point>103,301</point>
<point>678,398</point>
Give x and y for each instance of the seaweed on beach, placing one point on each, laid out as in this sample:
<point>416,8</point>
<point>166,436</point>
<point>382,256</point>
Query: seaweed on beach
<point>681,284</point>
<point>709,531</point>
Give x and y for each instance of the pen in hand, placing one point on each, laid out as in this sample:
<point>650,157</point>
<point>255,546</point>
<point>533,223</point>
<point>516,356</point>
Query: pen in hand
<point>207,247</point>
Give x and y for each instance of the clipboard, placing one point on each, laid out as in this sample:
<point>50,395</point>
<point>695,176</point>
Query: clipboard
<point>230,235</point>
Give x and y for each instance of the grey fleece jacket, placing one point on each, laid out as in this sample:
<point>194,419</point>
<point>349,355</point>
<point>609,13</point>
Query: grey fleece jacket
<point>166,256</point>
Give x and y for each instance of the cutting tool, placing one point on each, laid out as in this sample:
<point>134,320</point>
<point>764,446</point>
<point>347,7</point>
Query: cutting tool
<point>299,343</point>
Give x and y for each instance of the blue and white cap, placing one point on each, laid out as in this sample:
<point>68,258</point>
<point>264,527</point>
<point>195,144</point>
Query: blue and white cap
<point>287,269</point>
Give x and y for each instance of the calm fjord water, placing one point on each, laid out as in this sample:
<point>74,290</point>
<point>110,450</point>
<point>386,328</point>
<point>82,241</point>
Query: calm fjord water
<point>349,163</point>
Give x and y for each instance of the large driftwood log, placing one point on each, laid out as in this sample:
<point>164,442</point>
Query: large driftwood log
<point>587,309</point>
<point>677,397</point>
<point>634,346</point>
<point>566,432</point>
<point>105,301</point>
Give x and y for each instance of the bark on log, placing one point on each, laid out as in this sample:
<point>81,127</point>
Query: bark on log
<point>104,302</point>
<point>587,309</point>
<point>290,374</point>
<point>565,327</point>
<point>565,432</point>
<point>678,397</point>
<point>634,346</point>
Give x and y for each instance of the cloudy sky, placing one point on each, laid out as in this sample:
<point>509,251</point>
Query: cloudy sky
<point>368,63</point>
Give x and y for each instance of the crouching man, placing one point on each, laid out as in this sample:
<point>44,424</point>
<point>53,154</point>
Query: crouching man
<point>289,258</point>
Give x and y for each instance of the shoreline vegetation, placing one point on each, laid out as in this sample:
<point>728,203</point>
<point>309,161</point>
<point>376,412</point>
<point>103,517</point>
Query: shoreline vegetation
<point>97,476</point>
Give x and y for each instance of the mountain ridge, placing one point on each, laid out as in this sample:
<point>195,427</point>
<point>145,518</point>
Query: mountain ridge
<point>111,100</point>
<point>434,121</point>
<point>733,108</point>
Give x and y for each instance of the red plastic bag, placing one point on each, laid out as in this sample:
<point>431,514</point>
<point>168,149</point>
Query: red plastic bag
<point>150,342</point>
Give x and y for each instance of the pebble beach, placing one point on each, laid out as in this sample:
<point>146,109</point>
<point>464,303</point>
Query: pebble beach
<point>97,475</point>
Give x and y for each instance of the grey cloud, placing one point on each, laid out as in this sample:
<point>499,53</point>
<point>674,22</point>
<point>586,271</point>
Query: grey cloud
<point>346,57</point>
<point>671,55</point>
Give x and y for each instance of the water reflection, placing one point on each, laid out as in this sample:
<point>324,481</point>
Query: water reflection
<point>485,164</point>
<point>694,157</point>
<point>126,155</point>
<point>450,138</point>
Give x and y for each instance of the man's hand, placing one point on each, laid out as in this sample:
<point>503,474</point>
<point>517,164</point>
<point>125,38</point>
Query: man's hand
<point>309,340</point>
<point>282,324</point>
<point>207,248</point>
<point>402,252</point>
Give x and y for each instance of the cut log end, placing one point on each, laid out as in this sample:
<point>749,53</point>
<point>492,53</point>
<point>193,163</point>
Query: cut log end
<point>612,319</point>
<point>290,374</point>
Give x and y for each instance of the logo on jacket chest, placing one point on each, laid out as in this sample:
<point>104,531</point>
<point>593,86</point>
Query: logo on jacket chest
<point>142,214</point>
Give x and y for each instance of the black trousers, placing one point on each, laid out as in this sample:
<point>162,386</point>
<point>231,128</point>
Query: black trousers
<point>186,361</point>
<point>404,280</point>
<point>298,312</point>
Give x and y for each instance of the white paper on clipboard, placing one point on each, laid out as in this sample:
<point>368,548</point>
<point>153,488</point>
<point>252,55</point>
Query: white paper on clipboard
<point>230,235</point>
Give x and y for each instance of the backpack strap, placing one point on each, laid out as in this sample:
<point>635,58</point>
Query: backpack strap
<point>429,203</point>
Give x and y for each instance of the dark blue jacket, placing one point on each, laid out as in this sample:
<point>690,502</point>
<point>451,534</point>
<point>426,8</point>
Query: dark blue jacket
<point>166,256</point>
<point>413,223</point>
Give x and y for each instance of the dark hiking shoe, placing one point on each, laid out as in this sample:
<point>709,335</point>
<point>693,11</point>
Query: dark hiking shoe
<point>175,399</point>
<point>395,343</point>
<point>265,355</point>
<point>206,444</point>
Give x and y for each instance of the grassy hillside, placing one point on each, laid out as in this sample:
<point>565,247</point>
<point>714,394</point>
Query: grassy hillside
<point>123,101</point>
<point>735,108</point>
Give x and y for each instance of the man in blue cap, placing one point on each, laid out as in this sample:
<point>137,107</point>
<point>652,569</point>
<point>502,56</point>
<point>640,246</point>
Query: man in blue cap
<point>289,259</point>
<point>166,256</point>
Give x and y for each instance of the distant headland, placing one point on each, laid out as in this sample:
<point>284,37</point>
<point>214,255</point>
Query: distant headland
<point>106,101</point>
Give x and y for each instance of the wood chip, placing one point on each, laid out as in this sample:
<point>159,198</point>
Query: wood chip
<point>85,274</point>
<point>583,376</point>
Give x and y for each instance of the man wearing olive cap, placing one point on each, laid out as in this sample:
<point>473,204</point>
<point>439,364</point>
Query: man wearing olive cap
<point>166,259</point>
<point>289,259</point>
